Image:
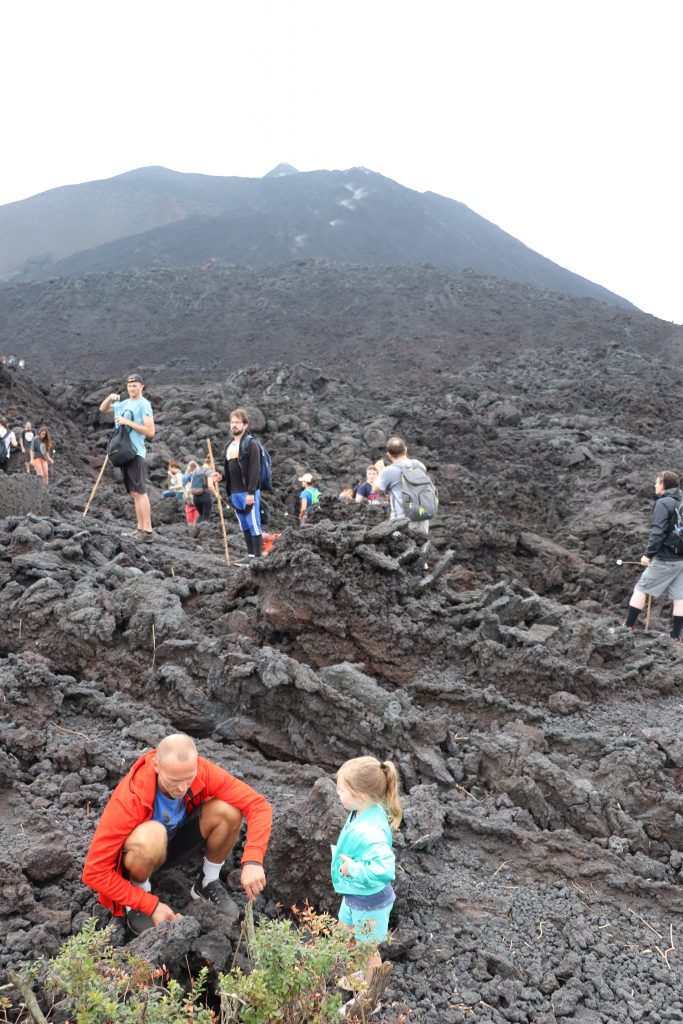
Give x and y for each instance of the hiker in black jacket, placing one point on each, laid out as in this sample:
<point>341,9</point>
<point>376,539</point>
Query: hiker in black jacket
<point>242,482</point>
<point>663,561</point>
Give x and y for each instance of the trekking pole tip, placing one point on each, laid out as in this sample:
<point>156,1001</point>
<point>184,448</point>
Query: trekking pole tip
<point>620,561</point>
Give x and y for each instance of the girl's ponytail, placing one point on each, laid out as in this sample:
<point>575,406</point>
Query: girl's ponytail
<point>392,801</point>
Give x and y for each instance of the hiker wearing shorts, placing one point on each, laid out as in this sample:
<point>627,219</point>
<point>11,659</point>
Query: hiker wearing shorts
<point>25,440</point>
<point>41,459</point>
<point>242,481</point>
<point>135,412</point>
<point>170,806</point>
<point>664,564</point>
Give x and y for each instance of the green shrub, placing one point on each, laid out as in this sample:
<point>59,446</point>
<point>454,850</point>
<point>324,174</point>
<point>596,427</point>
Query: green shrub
<point>103,985</point>
<point>293,980</point>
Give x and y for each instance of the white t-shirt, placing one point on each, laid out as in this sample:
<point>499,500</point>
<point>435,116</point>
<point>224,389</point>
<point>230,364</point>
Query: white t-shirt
<point>8,438</point>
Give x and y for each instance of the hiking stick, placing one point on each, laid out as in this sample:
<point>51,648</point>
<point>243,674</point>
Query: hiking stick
<point>218,502</point>
<point>97,484</point>
<point>649,609</point>
<point>620,561</point>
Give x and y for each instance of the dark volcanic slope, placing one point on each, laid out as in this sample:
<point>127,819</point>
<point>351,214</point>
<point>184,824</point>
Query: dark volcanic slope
<point>354,318</point>
<point>541,856</point>
<point>156,217</point>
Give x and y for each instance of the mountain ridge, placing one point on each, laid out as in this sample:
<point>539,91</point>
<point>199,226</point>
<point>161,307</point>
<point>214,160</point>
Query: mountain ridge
<point>158,217</point>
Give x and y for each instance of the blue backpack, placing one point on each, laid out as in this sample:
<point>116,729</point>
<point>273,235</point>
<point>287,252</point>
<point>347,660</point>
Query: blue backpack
<point>266,479</point>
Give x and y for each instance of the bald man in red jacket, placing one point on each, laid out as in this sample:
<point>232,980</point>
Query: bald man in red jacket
<point>170,805</point>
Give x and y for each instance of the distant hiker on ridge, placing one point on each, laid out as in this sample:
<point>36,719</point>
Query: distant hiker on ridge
<point>242,481</point>
<point>135,412</point>
<point>171,804</point>
<point>663,556</point>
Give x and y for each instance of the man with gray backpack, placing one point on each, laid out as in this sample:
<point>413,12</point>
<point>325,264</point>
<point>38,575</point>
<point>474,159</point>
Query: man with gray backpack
<point>412,494</point>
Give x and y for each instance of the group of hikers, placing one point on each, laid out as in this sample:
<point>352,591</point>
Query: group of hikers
<point>174,805</point>
<point>11,361</point>
<point>246,472</point>
<point>34,445</point>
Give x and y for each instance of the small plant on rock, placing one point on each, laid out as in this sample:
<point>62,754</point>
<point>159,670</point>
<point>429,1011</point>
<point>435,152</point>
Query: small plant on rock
<point>294,974</point>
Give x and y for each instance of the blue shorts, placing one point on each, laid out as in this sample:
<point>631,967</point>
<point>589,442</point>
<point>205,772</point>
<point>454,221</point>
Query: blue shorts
<point>368,925</point>
<point>249,516</point>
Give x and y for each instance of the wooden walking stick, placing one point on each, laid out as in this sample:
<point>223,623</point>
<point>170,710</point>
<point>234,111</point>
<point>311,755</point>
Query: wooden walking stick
<point>97,484</point>
<point>649,609</point>
<point>218,502</point>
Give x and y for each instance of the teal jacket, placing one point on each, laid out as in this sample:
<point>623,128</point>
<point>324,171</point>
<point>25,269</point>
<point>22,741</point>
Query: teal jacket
<point>366,839</point>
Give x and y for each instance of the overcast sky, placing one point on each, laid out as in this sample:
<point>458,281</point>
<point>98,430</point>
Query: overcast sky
<point>558,120</point>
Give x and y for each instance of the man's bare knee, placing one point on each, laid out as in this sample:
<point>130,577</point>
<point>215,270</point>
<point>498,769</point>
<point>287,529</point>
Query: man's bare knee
<point>220,813</point>
<point>145,848</point>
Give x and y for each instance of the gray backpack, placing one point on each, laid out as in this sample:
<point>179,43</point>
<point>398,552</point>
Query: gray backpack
<point>420,497</point>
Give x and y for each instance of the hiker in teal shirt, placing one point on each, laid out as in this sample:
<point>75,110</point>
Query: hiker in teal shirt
<point>309,497</point>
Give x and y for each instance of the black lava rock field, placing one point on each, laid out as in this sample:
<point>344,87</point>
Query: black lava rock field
<point>539,748</point>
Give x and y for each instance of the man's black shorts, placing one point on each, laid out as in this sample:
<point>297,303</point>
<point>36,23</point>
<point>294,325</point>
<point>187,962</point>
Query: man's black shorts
<point>185,841</point>
<point>135,475</point>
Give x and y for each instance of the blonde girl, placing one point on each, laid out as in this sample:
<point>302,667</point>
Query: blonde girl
<point>363,862</point>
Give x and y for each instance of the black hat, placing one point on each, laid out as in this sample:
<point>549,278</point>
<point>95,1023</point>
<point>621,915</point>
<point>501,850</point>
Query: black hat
<point>134,378</point>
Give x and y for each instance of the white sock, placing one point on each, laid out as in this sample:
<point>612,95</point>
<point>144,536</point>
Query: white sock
<point>211,871</point>
<point>146,885</point>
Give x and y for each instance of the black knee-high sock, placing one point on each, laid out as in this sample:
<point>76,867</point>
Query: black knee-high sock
<point>257,541</point>
<point>632,615</point>
<point>249,541</point>
<point>678,626</point>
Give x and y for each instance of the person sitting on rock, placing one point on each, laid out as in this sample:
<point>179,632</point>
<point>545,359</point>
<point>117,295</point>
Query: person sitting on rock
<point>366,490</point>
<point>171,804</point>
<point>663,556</point>
<point>175,482</point>
<point>191,513</point>
<point>309,499</point>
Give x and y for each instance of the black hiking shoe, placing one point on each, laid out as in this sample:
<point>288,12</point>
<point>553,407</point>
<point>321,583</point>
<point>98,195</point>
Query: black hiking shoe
<point>244,561</point>
<point>214,892</point>
<point>138,922</point>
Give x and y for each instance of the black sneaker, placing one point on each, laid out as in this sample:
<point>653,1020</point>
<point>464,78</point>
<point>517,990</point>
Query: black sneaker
<point>138,922</point>
<point>213,892</point>
<point>244,561</point>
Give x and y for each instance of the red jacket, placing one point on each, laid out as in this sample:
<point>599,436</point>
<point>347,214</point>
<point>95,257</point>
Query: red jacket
<point>132,802</point>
